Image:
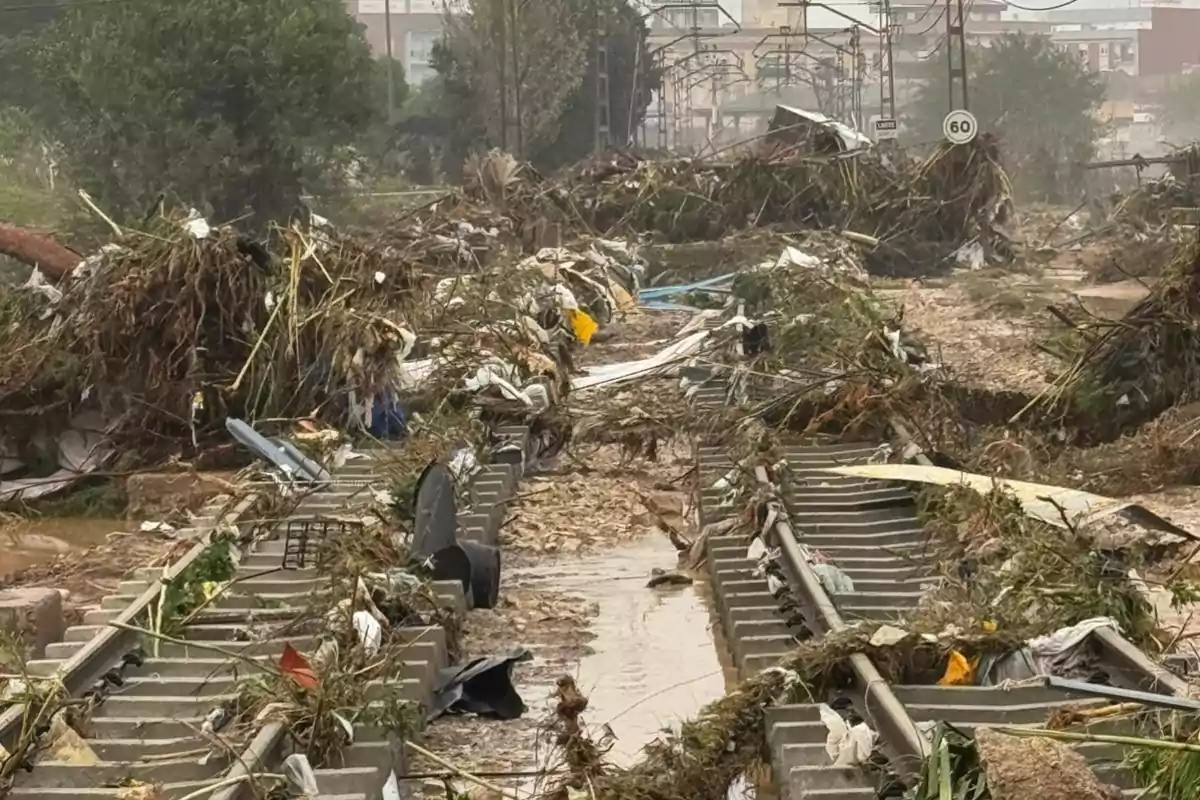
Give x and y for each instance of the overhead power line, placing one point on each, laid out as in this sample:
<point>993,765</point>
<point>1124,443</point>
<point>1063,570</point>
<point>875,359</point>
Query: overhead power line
<point>941,15</point>
<point>1047,8</point>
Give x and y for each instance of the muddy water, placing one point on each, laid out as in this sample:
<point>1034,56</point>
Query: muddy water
<point>25,543</point>
<point>653,662</point>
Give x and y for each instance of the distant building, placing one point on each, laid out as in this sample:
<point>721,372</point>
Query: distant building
<point>1136,37</point>
<point>921,30</point>
<point>666,15</point>
<point>909,12</point>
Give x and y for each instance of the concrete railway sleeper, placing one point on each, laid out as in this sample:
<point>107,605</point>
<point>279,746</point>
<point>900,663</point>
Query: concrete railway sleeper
<point>871,531</point>
<point>148,728</point>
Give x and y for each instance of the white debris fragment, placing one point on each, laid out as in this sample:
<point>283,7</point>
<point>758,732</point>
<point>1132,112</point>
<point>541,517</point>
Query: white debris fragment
<point>846,745</point>
<point>196,225</point>
<point>887,636</point>
<point>970,255</point>
<point>37,283</point>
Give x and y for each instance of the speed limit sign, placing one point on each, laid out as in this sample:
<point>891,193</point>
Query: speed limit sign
<point>959,127</point>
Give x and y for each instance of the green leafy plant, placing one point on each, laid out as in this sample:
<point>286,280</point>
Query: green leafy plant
<point>953,771</point>
<point>188,591</point>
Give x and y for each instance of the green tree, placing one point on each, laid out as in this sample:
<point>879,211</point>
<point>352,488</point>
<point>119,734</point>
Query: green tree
<point>1037,99</point>
<point>555,63</point>
<point>229,105</point>
<point>521,62</point>
<point>632,77</point>
<point>20,20</point>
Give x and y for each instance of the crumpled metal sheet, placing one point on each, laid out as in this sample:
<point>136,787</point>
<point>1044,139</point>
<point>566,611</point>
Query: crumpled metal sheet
<point>82,448</point>
<point>1042,501</point>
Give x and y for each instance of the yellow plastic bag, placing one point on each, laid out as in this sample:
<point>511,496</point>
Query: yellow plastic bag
<point>583,326</point>
<point>959,671</point>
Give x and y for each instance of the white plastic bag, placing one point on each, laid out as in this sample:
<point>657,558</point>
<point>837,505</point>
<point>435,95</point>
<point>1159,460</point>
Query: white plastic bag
<point>370,632</point>
<point>846,745</point>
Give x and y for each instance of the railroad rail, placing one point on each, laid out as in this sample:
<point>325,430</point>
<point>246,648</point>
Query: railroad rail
<point>149,726</point>
<point>870,530</point>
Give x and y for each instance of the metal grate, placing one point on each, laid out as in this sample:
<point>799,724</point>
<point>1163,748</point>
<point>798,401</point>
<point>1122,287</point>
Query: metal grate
<point>304,539</point>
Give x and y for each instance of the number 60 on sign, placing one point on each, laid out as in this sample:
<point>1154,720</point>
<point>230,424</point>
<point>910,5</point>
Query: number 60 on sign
<point>959,127</point>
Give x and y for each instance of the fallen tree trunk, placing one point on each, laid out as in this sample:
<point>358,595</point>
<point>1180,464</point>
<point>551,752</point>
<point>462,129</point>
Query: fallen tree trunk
<point>54,260</point>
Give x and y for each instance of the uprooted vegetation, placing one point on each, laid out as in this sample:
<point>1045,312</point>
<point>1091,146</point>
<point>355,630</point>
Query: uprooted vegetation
<point>1120,418</point>
<point>169,332</point>
<point>1128,371</point>
<point>920,211</point>
<point>1029,577</point>
<point>302,325</point>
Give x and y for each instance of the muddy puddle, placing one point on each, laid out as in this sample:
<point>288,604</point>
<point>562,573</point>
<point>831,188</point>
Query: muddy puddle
<point>653,662</point>
<point>26,543</point>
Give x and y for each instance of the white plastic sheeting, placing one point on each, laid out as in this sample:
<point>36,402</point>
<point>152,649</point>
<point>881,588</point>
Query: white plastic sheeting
<point>670,355</point>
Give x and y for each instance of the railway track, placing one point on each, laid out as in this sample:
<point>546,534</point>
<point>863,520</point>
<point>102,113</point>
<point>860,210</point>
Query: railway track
<point>870,530</point>
<point>148,726</point>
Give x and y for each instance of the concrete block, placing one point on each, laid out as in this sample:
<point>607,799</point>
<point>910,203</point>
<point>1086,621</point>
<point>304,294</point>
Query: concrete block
<point>34,614</point>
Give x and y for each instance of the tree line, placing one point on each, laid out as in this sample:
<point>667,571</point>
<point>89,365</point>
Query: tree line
<point>240,108</point>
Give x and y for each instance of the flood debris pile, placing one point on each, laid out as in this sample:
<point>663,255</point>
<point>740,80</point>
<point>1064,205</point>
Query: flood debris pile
<point>920,213</point>
<point>501,211</point>
<point>175,328</point>
<point>1120,418</point>
<point>1124,236</point>
<point>726,741</point>
<point>1013,571</point>
<point>837,360</point>
<point>708,753</point>
<point>643,418</point>
<point>1128,371</point>
<point>918,216</point>
<point>959,196</point>
<point>170,330</point>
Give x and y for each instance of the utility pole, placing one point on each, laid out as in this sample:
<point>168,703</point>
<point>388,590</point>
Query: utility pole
<point>514,40</point>
<point>857,26</point>
<point>671,60</point>
<point>501,51</point>
<point>957,66</point>
<point>787,59</point>
<point>661,71</point>
<point>856,106</point>
<point>391,65</point>
<point>887,74</point>
<point>601,100</point>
